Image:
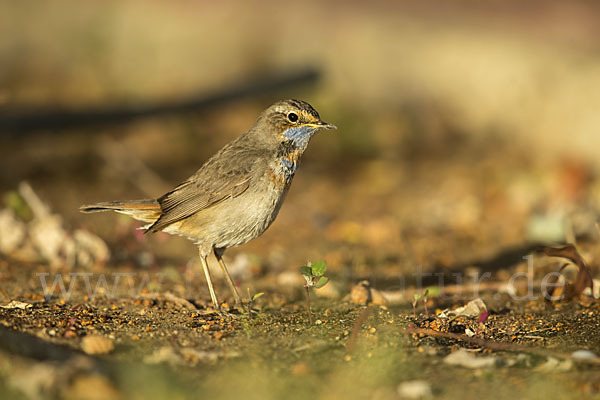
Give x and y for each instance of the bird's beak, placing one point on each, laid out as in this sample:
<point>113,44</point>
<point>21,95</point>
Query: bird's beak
<point>322,125</point>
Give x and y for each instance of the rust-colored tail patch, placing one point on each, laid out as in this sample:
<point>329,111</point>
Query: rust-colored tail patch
<point>142,210</point>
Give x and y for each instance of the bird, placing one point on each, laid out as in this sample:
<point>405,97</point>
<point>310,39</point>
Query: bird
<point>237,193</point>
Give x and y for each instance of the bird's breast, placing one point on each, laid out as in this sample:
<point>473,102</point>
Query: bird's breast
<point>282,169</point>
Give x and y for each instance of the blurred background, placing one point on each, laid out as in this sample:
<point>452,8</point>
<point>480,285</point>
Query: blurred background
<point>468,133</point>
<point>464,127</point>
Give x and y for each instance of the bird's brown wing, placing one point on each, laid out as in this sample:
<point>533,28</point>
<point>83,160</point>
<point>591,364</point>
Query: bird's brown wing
<point>226,175</point>
<point>194,195</point>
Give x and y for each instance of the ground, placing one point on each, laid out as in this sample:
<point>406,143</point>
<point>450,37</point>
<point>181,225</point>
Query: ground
<point>404,222</point>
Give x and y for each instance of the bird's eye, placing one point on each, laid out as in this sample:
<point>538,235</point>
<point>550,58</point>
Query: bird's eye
<point>293,117</point>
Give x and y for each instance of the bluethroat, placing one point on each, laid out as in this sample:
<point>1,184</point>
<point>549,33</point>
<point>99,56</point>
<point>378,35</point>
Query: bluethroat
<point>236,195</point>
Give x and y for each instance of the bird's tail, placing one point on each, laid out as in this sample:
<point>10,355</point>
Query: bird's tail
<point>142,210</point>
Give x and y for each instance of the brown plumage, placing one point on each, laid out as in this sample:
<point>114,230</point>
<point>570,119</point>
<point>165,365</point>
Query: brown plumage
<point>142,210</point>
<point>237,193</point>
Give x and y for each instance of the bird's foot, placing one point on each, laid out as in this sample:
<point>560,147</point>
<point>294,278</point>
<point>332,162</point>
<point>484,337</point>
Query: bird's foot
<point>223,312</point>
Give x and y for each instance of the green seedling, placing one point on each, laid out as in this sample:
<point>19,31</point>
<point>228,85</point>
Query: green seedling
<point>251,300</point>
<point>248,322</point>
<point>416,298</point>
<point>314,274</point>
<point>18,205</point>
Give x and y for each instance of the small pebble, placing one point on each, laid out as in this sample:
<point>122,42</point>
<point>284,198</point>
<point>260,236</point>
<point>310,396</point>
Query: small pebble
<point>300,369</point>
<point>554,365</point>
<point>417,389</point>
<point>583,355</point>
<point>93,344</point>
<point>92,386</point>
<point>463,358</point>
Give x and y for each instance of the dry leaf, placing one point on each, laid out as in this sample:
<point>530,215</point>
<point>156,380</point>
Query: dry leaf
<point>583,279</point>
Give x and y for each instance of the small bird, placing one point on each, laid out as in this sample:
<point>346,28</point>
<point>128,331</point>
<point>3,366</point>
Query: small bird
<point>236,195</point>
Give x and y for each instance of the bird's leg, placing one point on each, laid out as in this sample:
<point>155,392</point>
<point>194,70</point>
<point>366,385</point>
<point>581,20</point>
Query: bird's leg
<point>211,289</point>
<point>236,296</point>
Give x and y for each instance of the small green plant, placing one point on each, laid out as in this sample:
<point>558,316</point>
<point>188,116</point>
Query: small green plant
<point>416,298</point>
<point>251,300</point>
<point>314,274</point>
<point>248,322</point>
<point>18,205</point>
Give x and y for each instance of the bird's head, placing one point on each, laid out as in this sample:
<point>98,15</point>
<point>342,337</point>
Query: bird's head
<point>292,120</point>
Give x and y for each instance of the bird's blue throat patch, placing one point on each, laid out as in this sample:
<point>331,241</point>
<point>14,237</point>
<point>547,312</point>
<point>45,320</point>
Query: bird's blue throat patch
<point>289,166</point>
<point>300,135</point>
